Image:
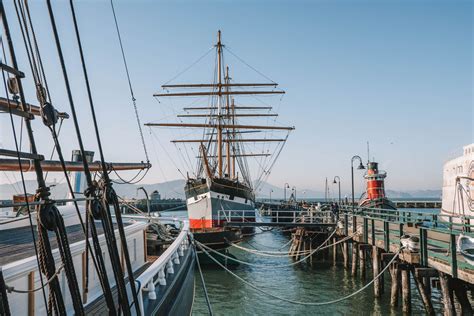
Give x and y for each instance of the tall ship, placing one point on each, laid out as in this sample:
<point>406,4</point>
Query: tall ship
<point>458,186</point>
<point>221,188</point>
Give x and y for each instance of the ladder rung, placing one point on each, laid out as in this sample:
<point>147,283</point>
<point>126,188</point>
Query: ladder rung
<point>12,70</point>
<point>12,153</point>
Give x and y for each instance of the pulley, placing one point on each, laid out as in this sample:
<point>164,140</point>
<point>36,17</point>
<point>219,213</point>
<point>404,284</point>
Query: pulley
<point>12,84</point>
<point>95,208</point>
<point>47,216</point>
<point>49,114</point>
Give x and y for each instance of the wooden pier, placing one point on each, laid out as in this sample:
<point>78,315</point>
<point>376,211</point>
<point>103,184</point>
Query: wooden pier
<point>368,239</point>
<point>377,232</point>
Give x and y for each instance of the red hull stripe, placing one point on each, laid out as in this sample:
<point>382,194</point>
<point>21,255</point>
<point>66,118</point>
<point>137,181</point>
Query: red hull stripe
<point>209,223</point>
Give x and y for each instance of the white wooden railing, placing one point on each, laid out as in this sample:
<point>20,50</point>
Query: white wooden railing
<point>163,266</point>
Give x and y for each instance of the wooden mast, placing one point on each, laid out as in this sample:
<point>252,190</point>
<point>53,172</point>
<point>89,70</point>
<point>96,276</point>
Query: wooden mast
<point>224,119</point>
<point>227,81</point>
<point>219,96</point>
<point>233,137</point>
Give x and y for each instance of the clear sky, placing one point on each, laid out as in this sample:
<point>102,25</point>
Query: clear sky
<point>398,74</point>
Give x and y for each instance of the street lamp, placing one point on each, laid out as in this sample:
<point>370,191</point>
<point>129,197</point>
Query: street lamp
<point>271,195</point>
<point>285,186</point>
<point>360,167</point>
<point>294,194</point>
<point>147,199</point>
<point>339,183</point>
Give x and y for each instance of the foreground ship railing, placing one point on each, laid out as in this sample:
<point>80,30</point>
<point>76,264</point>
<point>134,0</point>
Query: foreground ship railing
<point>157,272</point>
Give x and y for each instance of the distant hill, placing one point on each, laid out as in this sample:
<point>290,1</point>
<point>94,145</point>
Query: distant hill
<point>414,194</point>
<point>175,189</point>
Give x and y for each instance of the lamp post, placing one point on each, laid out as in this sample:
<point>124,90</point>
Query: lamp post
<point>271,195</point>
<point>294,194</point>
<point>285,186</point>
<point>360,167</point>
<point>147,199</point>
<point>339,183</point>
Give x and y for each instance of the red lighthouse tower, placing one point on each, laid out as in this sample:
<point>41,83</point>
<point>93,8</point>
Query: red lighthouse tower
<point>375,193</point>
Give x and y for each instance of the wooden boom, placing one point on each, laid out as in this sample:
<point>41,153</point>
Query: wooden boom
<point>230,126</point>
<point>248,140</point>
<point>240,155</point>
<point>55,165</point>
<point>203,93</point>
<point>212,85</point>
<point>235,108</point>
<point>7,104</point>
<point>224,115</point>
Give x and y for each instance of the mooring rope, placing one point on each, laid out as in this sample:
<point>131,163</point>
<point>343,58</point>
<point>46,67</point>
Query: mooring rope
<point>280,253</point>
<point>275,266</point>
<point>202,246</point>
<point>300,302</point>
<point>206,295</point>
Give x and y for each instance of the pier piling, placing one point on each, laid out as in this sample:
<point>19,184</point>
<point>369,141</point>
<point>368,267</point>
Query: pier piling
<point>395,288</point>
<point>406,289</point>
<point>376,271</point>
<point>447,294</point>
<point>425,296</point>
<point>345,254</point>
<point>354,258</point>
<point>460,290</point>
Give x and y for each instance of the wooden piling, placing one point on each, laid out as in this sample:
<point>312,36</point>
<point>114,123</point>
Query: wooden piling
<point>363,249</point>
<point>354,258</point>
<point>446,292</point>
<point>395,276</point>
<point>460,289</point>
<point>376,270</point>
<point>345,254</point>
<point>425,296</point>
<point>334,250</point>
<point>406,290</point>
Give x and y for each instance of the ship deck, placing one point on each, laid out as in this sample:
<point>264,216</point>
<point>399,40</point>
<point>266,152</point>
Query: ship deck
<point>17,244</point>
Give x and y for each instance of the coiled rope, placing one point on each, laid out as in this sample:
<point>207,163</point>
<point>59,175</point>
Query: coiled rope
<point>300,302</point>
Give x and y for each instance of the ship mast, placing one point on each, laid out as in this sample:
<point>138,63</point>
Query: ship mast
<point>223,121</point>
<point>227,80</point>
<point>219,97</point>
<point>233,137</point>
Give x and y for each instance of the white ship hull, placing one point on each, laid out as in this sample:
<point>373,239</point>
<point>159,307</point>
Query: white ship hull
<point>456,202</point>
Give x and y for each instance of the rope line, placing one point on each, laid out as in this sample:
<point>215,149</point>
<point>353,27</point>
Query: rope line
<point>206,295</point>
<point>11,289</point>
<point>300,302</point>
<point>285,254</point>
<point>129,82</point>
<point>269,266</point>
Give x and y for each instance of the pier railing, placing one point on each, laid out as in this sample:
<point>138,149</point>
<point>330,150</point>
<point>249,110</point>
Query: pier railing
<point>277,216</point>
<point>156,273</point>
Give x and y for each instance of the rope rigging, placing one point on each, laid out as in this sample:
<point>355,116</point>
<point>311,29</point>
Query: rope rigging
<point>30,219</point>
<point>129,81</point>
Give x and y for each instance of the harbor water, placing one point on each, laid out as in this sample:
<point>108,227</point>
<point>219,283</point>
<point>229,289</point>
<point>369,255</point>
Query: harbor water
<point>320,282</point>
